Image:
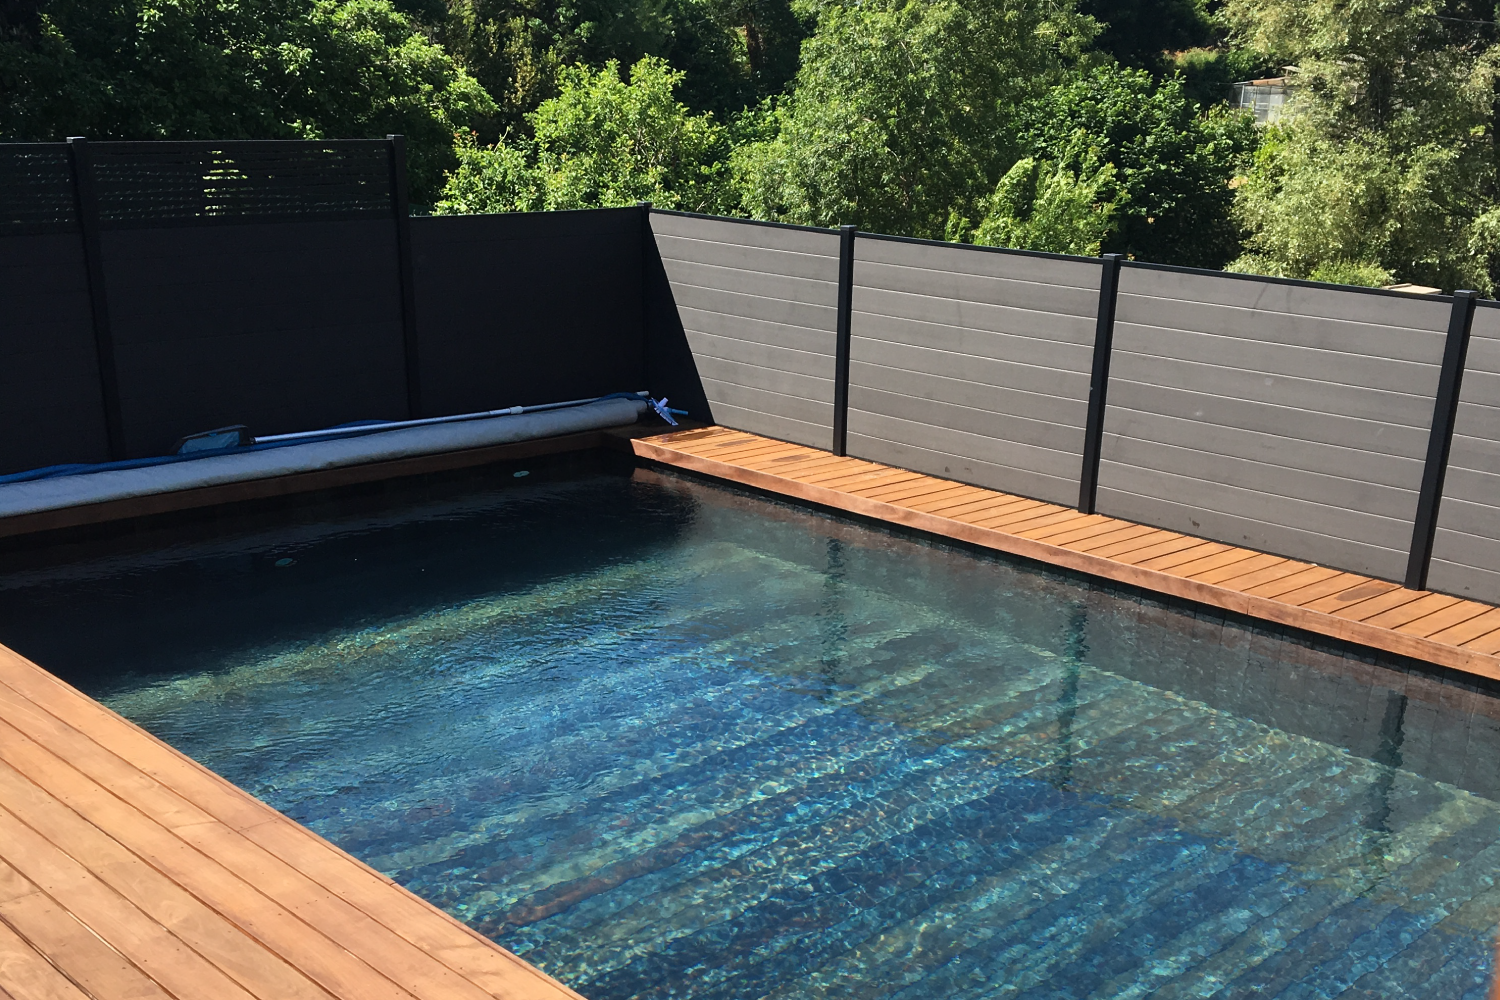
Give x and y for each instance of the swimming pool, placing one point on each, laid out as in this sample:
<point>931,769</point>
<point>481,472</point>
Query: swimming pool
<point>667,740</point>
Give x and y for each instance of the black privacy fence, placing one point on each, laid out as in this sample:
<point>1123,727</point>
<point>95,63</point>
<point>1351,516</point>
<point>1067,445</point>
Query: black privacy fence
<point>152,290</point>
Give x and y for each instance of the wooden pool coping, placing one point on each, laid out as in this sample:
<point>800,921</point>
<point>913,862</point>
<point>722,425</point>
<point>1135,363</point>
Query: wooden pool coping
<point>127,870</point>
<point>1448,631</point>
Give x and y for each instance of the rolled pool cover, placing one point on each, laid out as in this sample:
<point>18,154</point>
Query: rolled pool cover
<point>118,484</point>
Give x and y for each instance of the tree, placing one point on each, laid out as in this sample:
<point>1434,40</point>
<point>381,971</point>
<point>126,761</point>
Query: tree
<point>904,111</point>
<point>1383,166</point>
<point>235,69</point>
<point>601,142</point>
<point>1173,163</point>
<point>1139,33</point>
<point>732,53</point>
<point>1042,206</point>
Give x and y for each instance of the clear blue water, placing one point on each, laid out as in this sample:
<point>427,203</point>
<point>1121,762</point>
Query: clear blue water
<point>663,740</point>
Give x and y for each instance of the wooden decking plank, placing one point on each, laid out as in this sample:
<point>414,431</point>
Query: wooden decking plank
<point>1109,526</point>
<point>926,486</point>
<point>366,961</point>
<point>1181,556</point>
<point>26,975</point>
<point>1304,578</point>
<point>1130,534</point>
<point>1399,597</point>
<point>1193,568</point>
<point>1470,630</point>
<point>1270,573</point>
<point>1036,517</point>
<point>1445,618</point>
<point>1138,550</point>
<point>440,935</point>
<point>1338,583</point>
<point>793,461</point>
<point>1260,562</point>
<point>1366,590</point>
<point>1410,612</point>
<point>76,951</point>
<point>142,880</point>
<point>152,948</point>
<point>1061,534</point>
<point>340,947</point>
<point>983,510</point>
<point>972,494</point>
<point>872,478</point>
<point>1487,644</point>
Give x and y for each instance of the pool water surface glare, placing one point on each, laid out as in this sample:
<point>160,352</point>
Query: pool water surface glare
<point>665,740</point>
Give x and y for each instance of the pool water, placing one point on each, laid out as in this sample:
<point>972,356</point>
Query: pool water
<point>665,740</point>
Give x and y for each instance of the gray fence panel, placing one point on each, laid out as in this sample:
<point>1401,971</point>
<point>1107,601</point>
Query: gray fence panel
<point>50,402</point>
<point>1466,552</point>
<point>758,307</point>
<point>282,326</point>
<point>1281,417</point>
<point>972,365</point>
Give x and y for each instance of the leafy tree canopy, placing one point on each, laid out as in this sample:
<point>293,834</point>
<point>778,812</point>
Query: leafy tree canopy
<point>1384,166</point>
<point>1043,206</point>
<point>904,111</point>
<point>1173,163</point>
<point>233,69</point>
<point>601,142</point>
<point>1140,33</point>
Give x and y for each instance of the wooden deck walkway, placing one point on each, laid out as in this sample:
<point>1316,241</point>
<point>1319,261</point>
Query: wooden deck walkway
<point>129,871</point>
<point>1449,631</point>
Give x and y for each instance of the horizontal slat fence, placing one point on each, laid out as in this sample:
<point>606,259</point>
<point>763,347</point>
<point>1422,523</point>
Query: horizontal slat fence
<point>1276,416</point>
<point>972,365</point>
<point>758,305</point>
<point>1466,553</point>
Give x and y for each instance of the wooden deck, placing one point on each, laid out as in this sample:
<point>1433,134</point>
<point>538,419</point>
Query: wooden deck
<point>1448,631</point>
<point>129,871</point>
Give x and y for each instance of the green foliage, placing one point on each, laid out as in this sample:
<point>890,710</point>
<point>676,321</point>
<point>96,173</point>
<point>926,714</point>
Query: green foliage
<point>1384,164</point>
<point>601,142</point>
<point>1043,206</point>
<point>1139,33</point>
<point>904,111</point>
<point>1208,74</point>
<point>229,69</point>
<point>733,53</point>
<point>1173,163</point>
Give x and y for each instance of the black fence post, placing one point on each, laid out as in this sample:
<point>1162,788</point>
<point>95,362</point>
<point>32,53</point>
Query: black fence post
<point>401,208</point>
<point>1104,340</point>
<point>841,343</point>
<point>86,201</point>
<point>648,247</point>
<point>1440,438</point>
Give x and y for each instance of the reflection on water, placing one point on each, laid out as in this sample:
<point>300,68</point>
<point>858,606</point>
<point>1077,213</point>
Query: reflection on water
<point>666,741</point>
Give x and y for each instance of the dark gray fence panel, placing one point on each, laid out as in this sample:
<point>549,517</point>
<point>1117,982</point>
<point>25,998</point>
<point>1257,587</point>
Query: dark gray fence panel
<point>758,305</point>
<point>1466,553</point>
<point>972,365</point>
<point>282,326</point>
<point>528,308</point>
<point>1281,417</point>
<point>50,403</point>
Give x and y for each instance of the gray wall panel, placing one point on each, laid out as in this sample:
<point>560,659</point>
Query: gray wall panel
<point>1466,552</point>
<point>758,307</point>
<point>972,365</point>
<point>1281,417</point>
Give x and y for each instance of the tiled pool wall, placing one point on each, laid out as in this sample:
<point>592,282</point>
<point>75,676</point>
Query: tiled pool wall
<point>1395,710</point>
